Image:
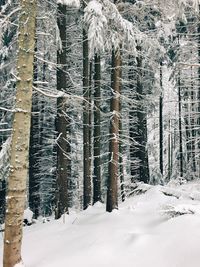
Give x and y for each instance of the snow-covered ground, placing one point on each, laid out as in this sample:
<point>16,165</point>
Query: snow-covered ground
<point>152,229</point>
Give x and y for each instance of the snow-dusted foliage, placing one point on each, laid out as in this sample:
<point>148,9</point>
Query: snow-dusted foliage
<point>4,159</point>
<point>70,3</point>
<point>196,4</point>
<point>97,27</point>
<point>107,29</point>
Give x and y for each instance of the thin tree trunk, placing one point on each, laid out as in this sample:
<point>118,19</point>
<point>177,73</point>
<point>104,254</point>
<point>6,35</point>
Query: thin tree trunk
<point>132,122</point>
<point>97,131</point>
<point>16,195</point>
<point>198,98</point>
<point>121,167</point>
<point>161,119</point>
<point>112,192</point>
<point>34,182</point>
<point>61,121</point>
<point>87,188</point>
<point>169,152</point>
<point>142,124</point>
<point>180,126</point>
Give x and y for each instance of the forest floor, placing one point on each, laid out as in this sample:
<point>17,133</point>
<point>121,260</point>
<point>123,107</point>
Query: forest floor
<point>158,228</point>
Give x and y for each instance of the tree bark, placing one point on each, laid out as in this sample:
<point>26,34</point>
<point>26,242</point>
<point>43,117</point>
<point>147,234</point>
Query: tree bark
<point>61,120</point>
<point>198,98</point>
<point>97,131</point>
<point>142,123</point>
<point>20,136</point>
<point>161,119</point>
<point>34,182</point>
<point>87,188</point>
<point>180,126</point>
<point>112,192</point>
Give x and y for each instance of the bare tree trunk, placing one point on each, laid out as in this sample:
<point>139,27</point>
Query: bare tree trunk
<point>198,99</point>
<point>169,152</point>
<point>142,124</point>
<point>161,119</point>
<point>34,182</point>
<point>121,167</point>
<point>112,192</point>
<point>87,188</point>
<point>180,126</point>
<point>61,121</point>
<point>16,195</point>
<point>97,131</point>
<point>132,120</point>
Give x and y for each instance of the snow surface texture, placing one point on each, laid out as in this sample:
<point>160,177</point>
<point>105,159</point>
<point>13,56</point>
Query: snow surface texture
<point>19,265</point>
<point>147,230</point>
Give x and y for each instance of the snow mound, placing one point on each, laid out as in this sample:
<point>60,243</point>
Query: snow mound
<point>96,238</point>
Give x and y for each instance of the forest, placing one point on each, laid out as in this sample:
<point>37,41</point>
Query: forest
<point>99,132</point>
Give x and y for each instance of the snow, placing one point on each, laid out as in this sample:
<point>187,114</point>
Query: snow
<point>141,233</point>
<point>19,265</point>
<point>28,215</point>
<point>70,3</point>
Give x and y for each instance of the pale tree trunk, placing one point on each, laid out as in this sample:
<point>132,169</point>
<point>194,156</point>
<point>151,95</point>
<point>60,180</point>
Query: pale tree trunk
<point>16,195</point>
<point>112,192</point>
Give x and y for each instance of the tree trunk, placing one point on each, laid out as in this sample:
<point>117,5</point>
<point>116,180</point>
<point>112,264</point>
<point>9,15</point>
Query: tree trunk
<point>34,182</point>
<point>61,121</point>
<point>161,119</point>
<point>87,189</point>
<point>112,192</point>
<point>97,131</point>
<point>180,126</point>
<point>16,195</point>
<point>198,99</point>
<point>169,152</point>
<point>133,121</point>
<point>121,167</point>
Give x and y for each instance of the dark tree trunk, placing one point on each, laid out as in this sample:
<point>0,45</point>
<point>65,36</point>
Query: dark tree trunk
<point>87,194</point>
<point>121,167</point>
<point>34,180</point>
<point>180,126</point>
<point>169,153</point>
<point>138,125</point>
<point>141,138</point>
<point>198,97</point>
<point>61,122</point>
<point>161,119</point>
<point>112,192</point>
<point>132,122</point>
<point>97,131</point>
